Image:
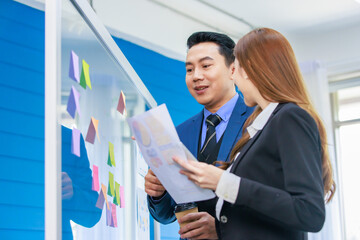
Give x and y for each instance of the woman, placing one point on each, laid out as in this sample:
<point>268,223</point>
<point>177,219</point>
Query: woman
<point>280,172</point>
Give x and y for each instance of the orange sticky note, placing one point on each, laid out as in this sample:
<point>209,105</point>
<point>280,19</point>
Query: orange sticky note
<point>92,130</point>
<point>121,107</point>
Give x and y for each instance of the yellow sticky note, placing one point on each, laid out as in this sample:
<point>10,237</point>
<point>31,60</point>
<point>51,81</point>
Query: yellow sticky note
<point>111,157</point>
<point>85,75</point>
<point>110,191</point>
<point>117,194</point>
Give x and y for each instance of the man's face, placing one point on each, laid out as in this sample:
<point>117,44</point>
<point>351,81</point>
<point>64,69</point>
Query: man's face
<point>208,78</point>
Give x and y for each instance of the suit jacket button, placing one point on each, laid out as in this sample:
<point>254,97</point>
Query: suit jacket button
<point>223,219</point>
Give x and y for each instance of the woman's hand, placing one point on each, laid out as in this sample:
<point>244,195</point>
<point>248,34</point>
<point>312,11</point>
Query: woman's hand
<point>202,174</point>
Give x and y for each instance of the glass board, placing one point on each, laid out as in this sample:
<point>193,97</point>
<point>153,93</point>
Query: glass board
<point>99,159</point>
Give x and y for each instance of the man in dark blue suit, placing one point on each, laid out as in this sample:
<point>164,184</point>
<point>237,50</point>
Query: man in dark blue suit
<point>209,78</point>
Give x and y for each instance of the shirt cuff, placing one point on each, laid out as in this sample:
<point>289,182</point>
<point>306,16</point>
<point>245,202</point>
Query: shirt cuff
<point>228,187</point>
<point>157,200</point>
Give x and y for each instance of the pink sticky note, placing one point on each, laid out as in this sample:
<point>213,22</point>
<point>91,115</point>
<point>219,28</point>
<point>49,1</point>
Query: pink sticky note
<point>74,67</point>
<point>75,142</point>
<point>95,180</point>
<point>92,130</point>
<point>113,214</point>
<point>121,107</point>
<point>73,102</point>
<point>109,216</point>
<point>122,197</point>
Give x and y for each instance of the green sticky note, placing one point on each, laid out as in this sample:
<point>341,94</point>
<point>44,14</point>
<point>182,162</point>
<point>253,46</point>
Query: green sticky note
<point>111,157</point>
<point>85,75</point>
<point>110,190</point>
<point>117,194</point>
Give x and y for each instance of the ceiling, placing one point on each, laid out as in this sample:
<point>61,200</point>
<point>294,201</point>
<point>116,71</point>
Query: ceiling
<point>293,15</point>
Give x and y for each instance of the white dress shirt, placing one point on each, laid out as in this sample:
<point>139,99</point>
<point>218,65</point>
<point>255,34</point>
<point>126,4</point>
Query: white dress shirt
<point>229,184</point>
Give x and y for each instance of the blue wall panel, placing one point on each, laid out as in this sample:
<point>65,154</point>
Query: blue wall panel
<point>164,77</point>
<point>21,121</point>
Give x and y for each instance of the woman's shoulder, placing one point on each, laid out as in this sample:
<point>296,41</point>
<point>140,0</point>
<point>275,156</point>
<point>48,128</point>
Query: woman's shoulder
<point>292,112</point>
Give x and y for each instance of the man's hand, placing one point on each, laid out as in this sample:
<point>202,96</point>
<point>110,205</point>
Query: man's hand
<point>67,187</point>
<point>153,186</point>
<point>201,226</point>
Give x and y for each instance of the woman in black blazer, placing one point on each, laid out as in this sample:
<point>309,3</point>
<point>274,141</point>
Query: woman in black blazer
<point>280,175</point>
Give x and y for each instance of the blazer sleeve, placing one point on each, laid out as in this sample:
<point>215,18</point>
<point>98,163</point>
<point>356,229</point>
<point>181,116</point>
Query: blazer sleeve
<point>300,204</point>
<point>162,210</point>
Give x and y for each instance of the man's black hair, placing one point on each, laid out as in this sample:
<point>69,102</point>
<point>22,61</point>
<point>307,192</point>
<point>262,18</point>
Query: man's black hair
<point>225,43</point>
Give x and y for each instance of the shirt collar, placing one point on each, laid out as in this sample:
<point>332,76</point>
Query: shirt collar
<point>225,111</point>
<point>260,121</point>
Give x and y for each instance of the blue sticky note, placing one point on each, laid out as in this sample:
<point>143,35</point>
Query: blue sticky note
<point>73,105</point>
<point>74,67</point>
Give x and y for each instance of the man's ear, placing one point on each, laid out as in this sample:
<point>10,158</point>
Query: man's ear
<point>232,68</point>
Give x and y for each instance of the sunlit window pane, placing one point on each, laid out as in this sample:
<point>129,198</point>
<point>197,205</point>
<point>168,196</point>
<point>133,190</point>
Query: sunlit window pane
<point>350,166</point>
<point>349,103</point>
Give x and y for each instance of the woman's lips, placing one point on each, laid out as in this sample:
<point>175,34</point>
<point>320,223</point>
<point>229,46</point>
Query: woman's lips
<point>200,89</point>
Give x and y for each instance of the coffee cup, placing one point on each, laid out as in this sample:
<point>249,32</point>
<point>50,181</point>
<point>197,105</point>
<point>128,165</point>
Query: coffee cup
<point>184,209</point>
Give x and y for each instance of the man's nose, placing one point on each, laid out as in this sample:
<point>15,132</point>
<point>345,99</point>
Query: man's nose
<point>198,75</point>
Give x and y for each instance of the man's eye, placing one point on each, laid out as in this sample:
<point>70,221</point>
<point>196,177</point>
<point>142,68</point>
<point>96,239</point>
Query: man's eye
<point>206,65</point>
<point>189,70</point>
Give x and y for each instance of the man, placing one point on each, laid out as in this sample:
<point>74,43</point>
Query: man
<point>209,135</point>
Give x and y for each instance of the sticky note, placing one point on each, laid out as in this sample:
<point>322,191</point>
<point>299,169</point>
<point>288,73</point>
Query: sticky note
<point>92,129</point>
<point>75,142</point>
<point>110,190</point>
<point>117,194</point>
<point>74,67</point>
<point>102,198</point>
<point>85,75</point>
<point>109,215</point>
<point>113,215</point>
<point>111,157</point>
<point>122,197</point>
<point>121,107</point>
<point>95,180</point>
<point>73,105</point>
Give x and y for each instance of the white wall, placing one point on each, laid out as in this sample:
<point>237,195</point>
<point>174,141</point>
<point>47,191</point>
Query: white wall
<point>330,46</point>
<point>165,31</point>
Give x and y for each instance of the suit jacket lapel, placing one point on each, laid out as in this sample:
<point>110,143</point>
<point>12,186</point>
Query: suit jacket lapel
<point>247,146</point>
<point>194,133</point>
<point>244,150</point>
<point>233,130</point>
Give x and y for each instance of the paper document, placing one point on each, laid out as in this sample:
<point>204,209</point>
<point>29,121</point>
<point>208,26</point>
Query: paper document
<point>158,141</point>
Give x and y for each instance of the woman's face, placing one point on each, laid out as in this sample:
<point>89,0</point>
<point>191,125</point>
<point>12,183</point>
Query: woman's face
<point>245,86</point>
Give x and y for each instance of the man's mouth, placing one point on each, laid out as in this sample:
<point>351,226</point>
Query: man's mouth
<point>200,89</point>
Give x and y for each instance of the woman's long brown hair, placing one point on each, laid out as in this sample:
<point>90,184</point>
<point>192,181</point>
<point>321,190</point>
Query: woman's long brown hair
<point>269,62</point>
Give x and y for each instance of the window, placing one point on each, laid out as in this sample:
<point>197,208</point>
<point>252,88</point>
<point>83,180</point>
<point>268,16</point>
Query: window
<point>346,113</point>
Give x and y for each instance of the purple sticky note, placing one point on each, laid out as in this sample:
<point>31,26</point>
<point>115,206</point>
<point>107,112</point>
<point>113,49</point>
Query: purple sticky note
<point>101,200</point>
<point>122,197</point>
<point>109,215</point>
<point>75,142</point>
<point>73,105</point>
<point>74,67</point>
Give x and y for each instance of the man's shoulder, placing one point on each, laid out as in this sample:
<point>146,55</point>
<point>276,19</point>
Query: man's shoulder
<point>189,121</point>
